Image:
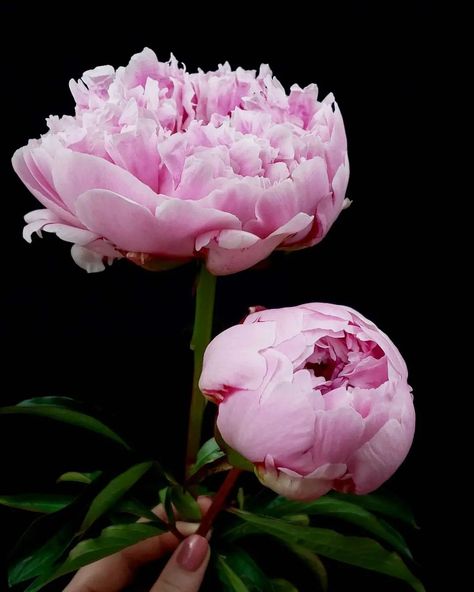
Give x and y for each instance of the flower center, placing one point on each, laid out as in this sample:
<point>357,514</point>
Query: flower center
<point>346,360</point>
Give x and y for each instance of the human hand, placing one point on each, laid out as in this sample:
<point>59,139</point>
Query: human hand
<point>183,572</point>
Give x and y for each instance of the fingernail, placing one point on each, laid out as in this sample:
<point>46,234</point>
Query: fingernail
<point>192,553</point>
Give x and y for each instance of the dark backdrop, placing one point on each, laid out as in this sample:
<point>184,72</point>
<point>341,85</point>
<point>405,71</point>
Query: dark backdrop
<point>118,339</point>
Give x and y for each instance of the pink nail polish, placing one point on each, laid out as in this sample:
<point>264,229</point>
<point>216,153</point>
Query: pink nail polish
<point>192,553</point>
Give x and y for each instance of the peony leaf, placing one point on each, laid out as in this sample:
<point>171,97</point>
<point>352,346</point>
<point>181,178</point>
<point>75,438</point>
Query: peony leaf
<point>186,506</point>
<point>29,566</point>
<point>238,461</point>
<point>385,504</point>
<point>45,503</point>
<point>165,498</point>
<point>113,492</point>
<point>48,537</point>
<point>60,409</point>
<point>301,519</point>
<point>76,477</point>
<point>66,402</point>
<point>228,577</point>
<point>137,508</point>
<point>358,551</point>
<point>311,561</point>
<point>249,572</point>
<point>209,452</point>
<point>280,585</point>
<point>241,498</point>
<point>342,510</point>
<point>111,540</point>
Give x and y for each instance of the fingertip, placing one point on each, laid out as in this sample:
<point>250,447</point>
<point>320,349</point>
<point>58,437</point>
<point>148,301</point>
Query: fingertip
<point>192,552</point>
<point>204,502</point>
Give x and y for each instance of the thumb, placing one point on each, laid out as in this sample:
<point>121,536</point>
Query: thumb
<point>185,569</point>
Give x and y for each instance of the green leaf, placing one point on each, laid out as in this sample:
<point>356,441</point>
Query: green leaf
<point>385,504</point>
<point>76,477</point>
<point>238,461</point>
<point>45,503</point>
<point>111,540</point>
<point>301,519</point>
<point>113,492</point>
<point>41,408</point>
<point>48,537</point>
<point>280,585</point>
<point>140,510</point>
<point>359,551</point>
<point>29,566</point>
<point>186,506</point>
<point>311,561</point>
<point>228,576</point>
<point>240,562</point>
<point>209,452</point>
<point>342,510</point>
<point>240,498</point>
<point>165,497</point>
<point>66,402</point>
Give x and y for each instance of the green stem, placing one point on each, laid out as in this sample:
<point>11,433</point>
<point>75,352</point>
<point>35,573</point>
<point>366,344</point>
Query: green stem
<point>205,294</point>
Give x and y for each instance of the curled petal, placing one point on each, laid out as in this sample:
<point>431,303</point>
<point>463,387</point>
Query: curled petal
<point>233,251</point>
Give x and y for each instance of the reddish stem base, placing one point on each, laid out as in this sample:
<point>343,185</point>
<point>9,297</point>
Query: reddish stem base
<point>219,501</point>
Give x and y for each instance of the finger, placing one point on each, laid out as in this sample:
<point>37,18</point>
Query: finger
<point>185,570</point>
<point>116,571</point>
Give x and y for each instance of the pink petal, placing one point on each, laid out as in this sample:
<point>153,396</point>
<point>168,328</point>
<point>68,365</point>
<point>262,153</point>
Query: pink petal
<point>36,220</point>
<point>236,197</point>
<point>49,200</point>
<point>337,434</point>
<point>280,424</point>
<point>381,456</point>
<point>336,148</point>
<point>136,151</point>
<point>281,202</point>
<point>74,173</point>
<point>71,234</point>
<point>238,253</point>
<point>289,321</point>
<point>232,359</point>
<point>132,227</point>
<point>180,222</point>
<point>128,225</point>
<point>296,487</point>
<point>87,259</point>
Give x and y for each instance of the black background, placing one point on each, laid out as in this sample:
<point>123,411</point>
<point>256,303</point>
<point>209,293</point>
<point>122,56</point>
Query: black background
<point>118,339</point>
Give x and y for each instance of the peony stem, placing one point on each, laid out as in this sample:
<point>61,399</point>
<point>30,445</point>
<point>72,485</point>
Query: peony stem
<point>205,294</point>
<point>219,501</point>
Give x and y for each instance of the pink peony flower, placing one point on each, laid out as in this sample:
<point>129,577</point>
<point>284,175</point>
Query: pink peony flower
<point>161,164</point>
<point>315,396</point>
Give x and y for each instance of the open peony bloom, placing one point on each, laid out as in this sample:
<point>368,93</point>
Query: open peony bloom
<point>315,396</point>
<point>159,164</point>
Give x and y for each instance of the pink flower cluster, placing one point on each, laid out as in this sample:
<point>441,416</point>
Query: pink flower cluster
<point>316,396</point>
<point>220,165</point>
